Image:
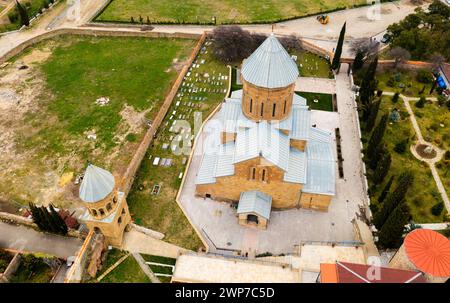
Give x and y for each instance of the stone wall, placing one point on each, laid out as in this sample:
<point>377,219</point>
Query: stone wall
<point>315,201</point>
<point>90,32</point>
<point>284,194</point>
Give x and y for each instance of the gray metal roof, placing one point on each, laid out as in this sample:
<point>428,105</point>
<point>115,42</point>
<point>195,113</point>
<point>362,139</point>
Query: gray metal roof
<point>270,65</point>
<point>263,140</point>
<point>297,167</point>
<point>255,202</point>
<point>301,123</point>
<point>216,164</point>
<point>321,173</point>
<point>319,135</point>
<point>96,185</point>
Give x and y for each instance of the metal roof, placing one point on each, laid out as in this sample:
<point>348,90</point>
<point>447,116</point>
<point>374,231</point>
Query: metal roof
<point>320,177</point>
<point>263,140</point>
<point>301,123</point>
<point>96,185</point>
<point>319,135</point>
<point>216,164</point>
<point>255,202</point>
<point>270,65</point>
<point>297,167</point>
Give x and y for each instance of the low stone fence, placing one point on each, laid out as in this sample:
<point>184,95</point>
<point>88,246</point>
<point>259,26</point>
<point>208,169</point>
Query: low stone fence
<point>77,271</point>
<point>132,168</point>
<point>11,269</point>
<point>89,32</point>
<point>147,231</point>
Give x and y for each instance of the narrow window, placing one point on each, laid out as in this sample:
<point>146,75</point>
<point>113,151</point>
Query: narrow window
<point>273,109</point>
<point>263,175</point>
<point>119,220</point>
<point>123,211</point>
<point>262,109</point>
<point>102,212</point>
<point>115,199</point>
<point>94,212</point>
<point>253,173</point>
<point>108,207</point>
<point>251,104</point>
<point>284,108</point>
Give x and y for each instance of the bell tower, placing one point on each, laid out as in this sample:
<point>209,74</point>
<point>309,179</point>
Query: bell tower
<point>268,78</point>
<point>107,209</point>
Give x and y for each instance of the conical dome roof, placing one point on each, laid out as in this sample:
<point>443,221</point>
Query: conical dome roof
<point>96,185</point>
<point>270,65</point>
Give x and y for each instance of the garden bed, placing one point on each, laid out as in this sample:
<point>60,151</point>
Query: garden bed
<point>318,101</point>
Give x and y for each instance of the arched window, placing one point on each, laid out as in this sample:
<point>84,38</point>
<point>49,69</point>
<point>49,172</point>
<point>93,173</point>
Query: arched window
<point>262,109</point>
<point>102,212</point>
<point>251,104</point>
<point>114,199</point>
<point>94,212</point>
<point>253,173</point>
<point>108,207</point>
<point>119,220</point>
<point>123,211</point>
<point>284,108</point>
<point>274,109</point>
<point>264,175</point>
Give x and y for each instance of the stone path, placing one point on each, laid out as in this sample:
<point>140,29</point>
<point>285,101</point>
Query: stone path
<point>430,162</point>
<point>137,242</point>
<point>21,238</point>
<point>145,268</point>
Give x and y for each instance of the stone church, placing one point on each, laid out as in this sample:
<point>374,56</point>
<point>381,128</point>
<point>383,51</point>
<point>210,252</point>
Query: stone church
<point>268,156</point>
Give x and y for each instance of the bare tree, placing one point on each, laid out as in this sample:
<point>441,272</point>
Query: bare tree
<point>232,43</point>
<point>399,54</point>
<point>368,46</point>
<point>291,43</point>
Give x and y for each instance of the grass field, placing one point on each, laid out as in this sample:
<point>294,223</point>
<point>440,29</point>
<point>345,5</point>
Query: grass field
<point>312,65</point>
<point>225,11</point>
<point>423,194</point>
<point>128,271</point>
<point>160,211</point>
<point>325,101</point>
<point>59,89</point>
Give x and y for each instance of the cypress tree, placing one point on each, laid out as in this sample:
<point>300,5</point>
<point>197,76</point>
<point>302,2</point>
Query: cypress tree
<point>377,136</point>
<point>368,86</point>
<point>382,168</point>
<point>24,19</point>
<point>393,199</point>
<point>385,190</point>
<point>391,233</point>
<point>377,155</point>
<point>36,215</point>
<point>46,223</point>
<point>358,62</point>
<point>374,109</point>
<point>337,54</point>
<point>59,222</point>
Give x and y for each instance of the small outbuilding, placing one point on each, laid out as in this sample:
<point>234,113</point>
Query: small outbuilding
<point>254,209</point>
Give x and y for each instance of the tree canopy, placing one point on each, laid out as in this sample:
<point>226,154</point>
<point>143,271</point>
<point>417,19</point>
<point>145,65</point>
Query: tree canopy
<point>424,33</point>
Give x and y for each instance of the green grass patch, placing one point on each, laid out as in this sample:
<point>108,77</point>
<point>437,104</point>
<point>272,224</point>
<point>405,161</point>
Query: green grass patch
<point>161,212</point>
<point>325,101</point>
<point>112,257</point>
<point>159,259</point>
<point>128,271</point>
<point>423,194</point>
<point>312,65</point>
<point>226,11</point>
<point>402,81</point>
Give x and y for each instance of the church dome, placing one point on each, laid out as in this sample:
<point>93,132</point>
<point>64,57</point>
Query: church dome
<point>97,184</point>
<point>270,66</point>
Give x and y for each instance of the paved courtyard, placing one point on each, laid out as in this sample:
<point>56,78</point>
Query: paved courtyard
<point>217,220</point>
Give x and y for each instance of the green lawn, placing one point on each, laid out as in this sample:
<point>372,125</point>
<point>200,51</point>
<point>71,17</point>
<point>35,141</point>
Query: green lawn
<point>161,212</point>
<point>423,194</point>
<point>325,101</point>
<point>312,65</point>
<point>128,271</point>
<point>402,81</point>
<point>113,256</point>
<point>158,269</point>
<point>134,73</point>
<point>434,123</point>
<point>225,11</point>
